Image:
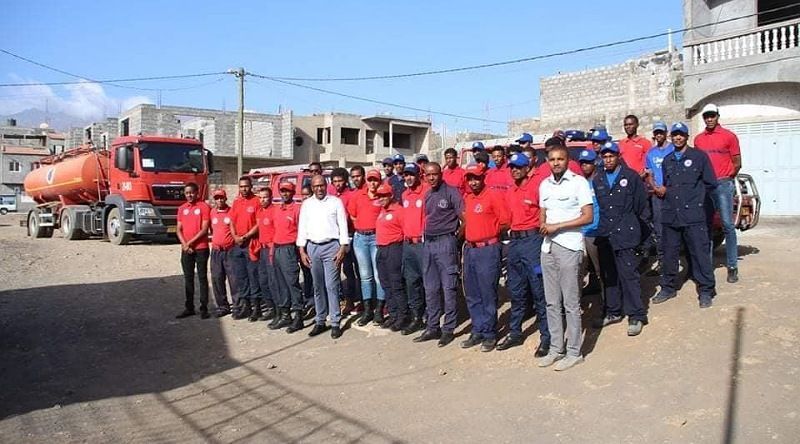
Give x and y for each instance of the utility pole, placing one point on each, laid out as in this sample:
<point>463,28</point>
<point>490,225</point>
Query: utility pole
<point>240,142</point>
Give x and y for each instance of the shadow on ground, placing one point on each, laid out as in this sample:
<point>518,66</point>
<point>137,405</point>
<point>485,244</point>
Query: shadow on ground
<point>86,344</point>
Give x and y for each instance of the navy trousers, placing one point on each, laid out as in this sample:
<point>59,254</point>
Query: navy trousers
<point>621,279</point>
<point>412,276</point>
<point>440,262</point>
<point>222,270</point>
<point>287,277</point>
<point>390,260</point>
<point>481,276</point>
<point>524,281</point>
<point>246,272</point>
<point>698,244</point>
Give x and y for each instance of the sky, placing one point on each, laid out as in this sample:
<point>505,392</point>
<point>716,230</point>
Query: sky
<point>319,39</point>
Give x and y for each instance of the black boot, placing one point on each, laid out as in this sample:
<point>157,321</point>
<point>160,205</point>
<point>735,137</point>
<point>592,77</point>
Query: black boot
<point>378,317</point>
<point>415,326</point>
<point>367,315</point>
<point>244,309</point>
<point>256,310</point>
<point>267,313</point>
<point>282,319</point>
<point>297,322</point>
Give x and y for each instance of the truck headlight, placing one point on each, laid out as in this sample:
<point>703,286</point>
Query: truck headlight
<point>146,212</point>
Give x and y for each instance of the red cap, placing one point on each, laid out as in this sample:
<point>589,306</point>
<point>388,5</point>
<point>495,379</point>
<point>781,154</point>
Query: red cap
<point>220,193</point>
<point>475,169</point>
<point>373,174</point>
<point>384,190</point>
<point>288,186</point>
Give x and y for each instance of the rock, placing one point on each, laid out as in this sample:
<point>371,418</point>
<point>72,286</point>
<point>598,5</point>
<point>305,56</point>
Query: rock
<point>442,372</point>
<point>270,366</point>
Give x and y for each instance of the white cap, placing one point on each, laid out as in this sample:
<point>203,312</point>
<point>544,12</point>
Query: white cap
<point>710,108</point>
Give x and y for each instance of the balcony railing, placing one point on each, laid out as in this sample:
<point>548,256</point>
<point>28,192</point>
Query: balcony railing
<point>763,40</point>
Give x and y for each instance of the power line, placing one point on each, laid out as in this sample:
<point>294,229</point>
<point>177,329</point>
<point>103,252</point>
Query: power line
<point>379,102</point>
<point>111,82</point>
<point>527,59</point>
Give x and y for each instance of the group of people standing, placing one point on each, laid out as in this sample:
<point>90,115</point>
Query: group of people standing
<point>408,238</point>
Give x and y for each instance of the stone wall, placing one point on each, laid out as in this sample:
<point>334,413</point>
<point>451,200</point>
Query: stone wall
<point>650,87</point>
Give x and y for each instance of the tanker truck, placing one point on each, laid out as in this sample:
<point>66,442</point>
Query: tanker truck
<point>131,190</point>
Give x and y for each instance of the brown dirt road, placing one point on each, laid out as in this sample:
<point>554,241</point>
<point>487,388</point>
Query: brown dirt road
<point>91,352</point>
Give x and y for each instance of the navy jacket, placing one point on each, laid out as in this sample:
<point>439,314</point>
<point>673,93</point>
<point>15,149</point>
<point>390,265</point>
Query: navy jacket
<point>689,183</point>
<point>624,210</point>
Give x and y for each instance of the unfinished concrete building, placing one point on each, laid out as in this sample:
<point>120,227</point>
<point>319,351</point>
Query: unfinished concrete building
<point>341,139</point>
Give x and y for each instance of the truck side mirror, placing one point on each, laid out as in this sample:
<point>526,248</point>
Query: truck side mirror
<point>210,162</point>
<point>124,158</point>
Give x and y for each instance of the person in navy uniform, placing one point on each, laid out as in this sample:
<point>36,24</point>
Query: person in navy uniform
<point>689,181</point>
<point>624,217</point>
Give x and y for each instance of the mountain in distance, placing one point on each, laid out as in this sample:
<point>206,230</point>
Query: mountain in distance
<point>32,118</point>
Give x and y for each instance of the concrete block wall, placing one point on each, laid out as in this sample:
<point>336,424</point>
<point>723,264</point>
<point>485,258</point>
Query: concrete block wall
<point>650,87</point>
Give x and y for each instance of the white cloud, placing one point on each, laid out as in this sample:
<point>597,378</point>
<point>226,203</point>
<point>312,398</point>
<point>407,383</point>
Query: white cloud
<point>84,100</point>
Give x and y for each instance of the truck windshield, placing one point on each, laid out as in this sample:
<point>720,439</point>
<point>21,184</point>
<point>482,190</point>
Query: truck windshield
<point>171,157</point>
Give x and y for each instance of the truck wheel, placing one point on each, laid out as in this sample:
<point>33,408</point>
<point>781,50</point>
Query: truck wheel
<point>69,228</point>
<point>115,227</point>
<point>3,211</point>
<point>35,230</point>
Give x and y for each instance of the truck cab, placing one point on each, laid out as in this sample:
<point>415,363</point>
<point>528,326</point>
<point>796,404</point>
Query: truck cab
<point>146,181</point>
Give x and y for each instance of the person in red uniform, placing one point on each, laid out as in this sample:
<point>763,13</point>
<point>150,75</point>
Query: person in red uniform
<point>244,230</point>
<point>351,287</point>
<point>221,244</point>
<point>193,221</point>
<point>499,177</point>
<point>413,223</point>
<point>315,169</point>
<point>633,148</point>
<point>275,305</point>
<point>722,147</point>
<point>389,257</point>
<point>485,217</point>
<point>452,174</point>
<point>363,209</point>
<point>524,256</point>
<point>285,260</point>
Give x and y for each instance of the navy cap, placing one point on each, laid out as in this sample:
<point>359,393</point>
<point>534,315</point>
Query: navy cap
<point>599,135</point>
<point>525,138</point>
<point>422,157</point>
<point>398,158</point>
<point>411,168</point>
<point>519,160</point>
<point>478,146</point>
<point>679,127</point>
<point>660,126</point>
<point>587,156</point>
<point>387,161</point>
<point>609,146</point>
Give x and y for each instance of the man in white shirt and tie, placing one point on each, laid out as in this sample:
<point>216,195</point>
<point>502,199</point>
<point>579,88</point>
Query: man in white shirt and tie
<point>323,241</point>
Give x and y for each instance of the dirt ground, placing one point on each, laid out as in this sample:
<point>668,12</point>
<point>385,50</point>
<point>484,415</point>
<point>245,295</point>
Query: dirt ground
<point>91,352</point>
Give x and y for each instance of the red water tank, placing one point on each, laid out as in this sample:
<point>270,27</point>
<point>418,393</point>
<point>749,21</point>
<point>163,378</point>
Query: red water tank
<point>75,177</point>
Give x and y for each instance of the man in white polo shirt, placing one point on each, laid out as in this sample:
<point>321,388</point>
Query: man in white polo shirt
<point>322,237</point>
<point>566,206</point>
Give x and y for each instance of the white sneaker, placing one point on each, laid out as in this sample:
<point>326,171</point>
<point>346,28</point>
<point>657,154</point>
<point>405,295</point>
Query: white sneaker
<point>568,362</point>
<point>549,359</point>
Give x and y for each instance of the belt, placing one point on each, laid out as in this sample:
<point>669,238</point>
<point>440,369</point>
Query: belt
<point>323,242</point>
<point>218,248</point>
<point>290,244</point>
<point>391,244</point>
<point>413,240</point>
<point>521,234</point>
<point>432,237</point>
<point>725,179</point>
<point>480,244</point>
<point>366,232</point>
